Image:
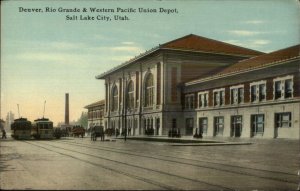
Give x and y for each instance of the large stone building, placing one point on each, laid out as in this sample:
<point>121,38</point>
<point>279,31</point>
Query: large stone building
<point>196,84</point>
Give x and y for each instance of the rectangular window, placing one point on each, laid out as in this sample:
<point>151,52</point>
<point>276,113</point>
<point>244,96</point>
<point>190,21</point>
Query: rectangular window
<point>288,91</point>
<point>205,104</point>
<point>277,89</point>
<point>216,98</point>
<point>283,119</point>
<point>258,91</point>
<point>283,87</point>
<point>257,124</point>
<point>189,102</point>
<point>236,95</point>
<point>240,95</point>
<point>200,101</point>
<point>203,99</point>
<point>262,92</point>
<point>253,93</point>
<point>218,125</point>
<point>222,97</point>
<point>219,97</point>
<point>232,96</point>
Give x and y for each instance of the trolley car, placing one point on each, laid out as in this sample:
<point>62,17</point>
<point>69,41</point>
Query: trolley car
<point>42,129</point>
<point>21,129</point>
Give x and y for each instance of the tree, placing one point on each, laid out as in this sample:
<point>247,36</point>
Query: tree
<point>83,120</point>
<point>10,117</point>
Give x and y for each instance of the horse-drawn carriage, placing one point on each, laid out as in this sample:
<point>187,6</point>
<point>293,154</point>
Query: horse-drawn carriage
<point>97,131</point>
<point>78,131</point>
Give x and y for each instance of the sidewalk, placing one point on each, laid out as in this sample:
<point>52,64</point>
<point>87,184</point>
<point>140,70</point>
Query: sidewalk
<point>189,140</point>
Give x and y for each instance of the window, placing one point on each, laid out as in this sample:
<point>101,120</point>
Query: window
<point>257,124</point>
<point>283,87</point>
<point>218,125</point>
<point>262,92</point>
<point>149,90</point>
<point>219,97</point>
<point>203,125</point>
<point>277,89</point>
<point>258,91</point>
<point>236,95</point>
<point>115,98</point>
<point>288,88</point>
<point>203,99</point>
<point>189,101</point>
<point>283,119</point>
<point>130,95</point>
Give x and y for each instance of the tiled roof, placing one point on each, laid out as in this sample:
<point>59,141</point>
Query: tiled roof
<point>277,56</point>
<point>197,43</point>
<point>101,102</point>
<point>254,63</point>
<point>191,43</point>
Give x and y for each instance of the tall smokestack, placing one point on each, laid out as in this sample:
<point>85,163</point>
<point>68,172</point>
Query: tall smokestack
<point>67,110</point>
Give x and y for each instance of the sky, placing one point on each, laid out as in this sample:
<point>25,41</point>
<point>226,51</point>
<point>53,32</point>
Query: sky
<point>45,55</point>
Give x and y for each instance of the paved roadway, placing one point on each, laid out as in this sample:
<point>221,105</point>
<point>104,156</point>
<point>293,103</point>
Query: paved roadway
<point>76,163</point>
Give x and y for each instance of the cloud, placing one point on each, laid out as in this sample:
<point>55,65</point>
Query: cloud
<point>255,22</point>
<point>235,42</point>
<point>128,43</point>
<point>260,42</point>
<point>254,43</point>
<point>245,32</point>
<point>127,48</point>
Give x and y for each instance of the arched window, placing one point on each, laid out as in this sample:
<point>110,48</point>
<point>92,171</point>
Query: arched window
<point>130,95</point>
<point>115,98</point>
<point>149,90</point>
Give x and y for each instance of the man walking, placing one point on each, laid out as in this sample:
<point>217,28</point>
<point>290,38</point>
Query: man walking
<point>3,134</point>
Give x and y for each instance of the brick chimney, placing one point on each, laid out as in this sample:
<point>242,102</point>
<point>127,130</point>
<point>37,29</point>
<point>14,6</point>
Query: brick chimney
<point>67,110</point>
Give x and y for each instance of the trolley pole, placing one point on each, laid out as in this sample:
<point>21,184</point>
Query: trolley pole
<point>44,109</point>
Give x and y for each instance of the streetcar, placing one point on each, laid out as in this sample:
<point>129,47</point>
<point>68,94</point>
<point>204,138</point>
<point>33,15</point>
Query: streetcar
<point>21,129</point>
<point>42,129</point>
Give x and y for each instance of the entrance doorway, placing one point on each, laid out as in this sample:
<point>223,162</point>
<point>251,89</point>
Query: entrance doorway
<point>203,125</point>
<point>236,125</point>
<point>189,125</point>
<point>157,126</point>
<point>257,125</point>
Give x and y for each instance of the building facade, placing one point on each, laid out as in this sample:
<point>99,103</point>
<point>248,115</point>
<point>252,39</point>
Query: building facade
<point>95,113</point>
<point>257,97</point>
<point>195,84</point>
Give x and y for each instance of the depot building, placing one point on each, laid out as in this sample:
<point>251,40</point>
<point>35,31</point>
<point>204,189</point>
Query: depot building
<point>200,85</point>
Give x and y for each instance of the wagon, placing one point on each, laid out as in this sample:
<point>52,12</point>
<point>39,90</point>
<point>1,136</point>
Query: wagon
<point>78,131</point>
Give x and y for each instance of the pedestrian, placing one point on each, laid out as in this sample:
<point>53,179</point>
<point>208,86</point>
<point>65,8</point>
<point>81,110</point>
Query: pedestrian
<point>3,134</point>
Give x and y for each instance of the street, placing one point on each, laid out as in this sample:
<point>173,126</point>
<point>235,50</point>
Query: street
<point>81,164</point>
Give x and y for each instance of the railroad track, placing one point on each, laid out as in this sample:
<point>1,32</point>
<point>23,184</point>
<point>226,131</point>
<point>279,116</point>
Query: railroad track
<point>118,162</point>
<point>175,160</point>
<point>269,174</point>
